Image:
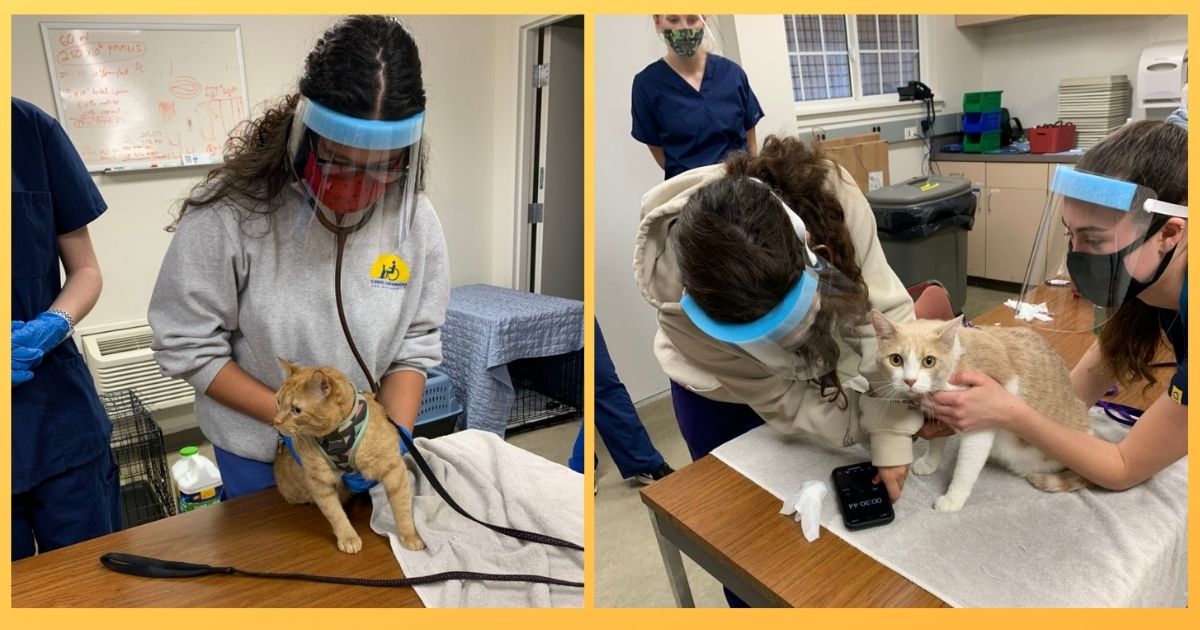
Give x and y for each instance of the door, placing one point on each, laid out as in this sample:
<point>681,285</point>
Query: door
<point>556,241</point>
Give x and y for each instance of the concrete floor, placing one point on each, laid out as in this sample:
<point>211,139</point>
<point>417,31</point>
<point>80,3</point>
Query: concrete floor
<point>629,569</point>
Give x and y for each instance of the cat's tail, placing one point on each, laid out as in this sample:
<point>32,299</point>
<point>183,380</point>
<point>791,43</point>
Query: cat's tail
<point>1065,481</point>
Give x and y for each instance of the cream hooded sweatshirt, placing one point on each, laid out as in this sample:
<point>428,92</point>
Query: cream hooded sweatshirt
<point>785,399</point>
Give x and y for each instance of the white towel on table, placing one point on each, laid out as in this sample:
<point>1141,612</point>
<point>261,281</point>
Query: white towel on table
<point>501,484</point>
<point>1011,545</point>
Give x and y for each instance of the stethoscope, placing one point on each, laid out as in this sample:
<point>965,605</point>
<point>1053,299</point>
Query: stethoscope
<point>153,567</point>
<point>341,234</point>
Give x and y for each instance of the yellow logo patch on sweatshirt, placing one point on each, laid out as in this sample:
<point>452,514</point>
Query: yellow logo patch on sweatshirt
<point>389,271</point>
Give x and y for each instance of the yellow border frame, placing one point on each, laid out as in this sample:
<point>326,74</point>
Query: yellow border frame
<point>599,618</point>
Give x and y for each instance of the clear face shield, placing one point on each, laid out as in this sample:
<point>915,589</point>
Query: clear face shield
<point>357,174</point>
<point>800,320</point>
<point>1089,241</point>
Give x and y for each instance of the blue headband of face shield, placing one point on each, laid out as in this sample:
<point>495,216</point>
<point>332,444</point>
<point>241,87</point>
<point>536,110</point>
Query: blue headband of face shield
<point>1110,193</point>
<point>772,327</point>
<point>363,134</point>
<point>779,321</point>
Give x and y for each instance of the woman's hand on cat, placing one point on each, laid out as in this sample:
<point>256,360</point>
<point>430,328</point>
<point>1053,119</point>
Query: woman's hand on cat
<point>893,478</point>
<point>984,404</point>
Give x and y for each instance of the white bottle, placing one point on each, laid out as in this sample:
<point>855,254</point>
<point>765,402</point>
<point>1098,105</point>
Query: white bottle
<point>197,478</point>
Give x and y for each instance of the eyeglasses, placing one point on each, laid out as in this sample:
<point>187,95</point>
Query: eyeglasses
<point>386,173</point>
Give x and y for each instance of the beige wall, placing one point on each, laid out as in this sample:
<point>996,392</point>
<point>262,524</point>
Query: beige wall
<point>470,73</point>
<point>1027,59</point>
<point>624,171</point>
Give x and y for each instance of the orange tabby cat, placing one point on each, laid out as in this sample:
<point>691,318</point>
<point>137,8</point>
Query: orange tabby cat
<point>314,403</point>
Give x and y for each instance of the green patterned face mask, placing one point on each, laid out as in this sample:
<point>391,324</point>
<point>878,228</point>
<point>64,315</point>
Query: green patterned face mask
<point>685,41</point>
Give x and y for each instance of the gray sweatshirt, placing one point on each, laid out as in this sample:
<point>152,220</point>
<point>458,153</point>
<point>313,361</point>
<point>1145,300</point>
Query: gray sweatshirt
<point>262,288</point>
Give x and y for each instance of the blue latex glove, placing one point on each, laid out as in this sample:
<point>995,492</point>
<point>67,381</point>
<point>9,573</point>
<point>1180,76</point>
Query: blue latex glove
<point>23,361</point>
<point>43,332</point>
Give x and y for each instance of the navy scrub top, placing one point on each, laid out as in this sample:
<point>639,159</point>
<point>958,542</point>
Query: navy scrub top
<point>57,419</point>
<point>694,128</point>
<point>1174,324</point>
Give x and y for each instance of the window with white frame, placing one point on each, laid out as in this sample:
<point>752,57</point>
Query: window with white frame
<point>851,57</point>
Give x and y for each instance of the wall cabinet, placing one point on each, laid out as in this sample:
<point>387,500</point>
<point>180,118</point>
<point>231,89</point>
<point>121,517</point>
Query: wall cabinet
<point>984,20</point>
<point>1012,198</point>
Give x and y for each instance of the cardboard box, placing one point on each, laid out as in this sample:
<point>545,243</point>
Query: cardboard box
<point>851,140</point>
<point>865,157</point>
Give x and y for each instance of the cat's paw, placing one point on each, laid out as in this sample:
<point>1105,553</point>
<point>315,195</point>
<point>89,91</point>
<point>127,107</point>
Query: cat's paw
<point>412,543</point>
<point>350,543</point>
<point>947,503</point>
<point>924,467</point>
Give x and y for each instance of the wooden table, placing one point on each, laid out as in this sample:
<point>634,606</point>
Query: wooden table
<point>257,532</point>
<point>732,528</point>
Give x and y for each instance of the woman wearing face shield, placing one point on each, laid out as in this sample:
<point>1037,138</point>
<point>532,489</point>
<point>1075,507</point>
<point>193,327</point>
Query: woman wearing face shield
<point>692,107</point>
<point>763,270</point>
<point>312,242</point>
<point>1124,215</point>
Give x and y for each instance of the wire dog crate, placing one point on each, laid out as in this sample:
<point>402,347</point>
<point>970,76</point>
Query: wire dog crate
<point>137,446</point>
<point>548,390</point>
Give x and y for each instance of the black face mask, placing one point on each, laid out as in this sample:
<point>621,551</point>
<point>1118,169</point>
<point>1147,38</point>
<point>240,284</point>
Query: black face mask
<point>1103,278</point>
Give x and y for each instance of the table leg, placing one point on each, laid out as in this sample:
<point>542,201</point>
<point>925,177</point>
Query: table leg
<point>673,562</point>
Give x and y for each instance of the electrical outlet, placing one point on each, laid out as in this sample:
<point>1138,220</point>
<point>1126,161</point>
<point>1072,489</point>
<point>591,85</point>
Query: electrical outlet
<point>910,133</point>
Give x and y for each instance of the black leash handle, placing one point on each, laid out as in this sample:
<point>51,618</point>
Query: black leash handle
<point>144,566</point>
<point>519,534</point>
<point>153,567</point>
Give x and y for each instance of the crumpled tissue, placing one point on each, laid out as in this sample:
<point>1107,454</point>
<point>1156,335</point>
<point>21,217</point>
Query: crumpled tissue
<point>806,505</point>
<point>1028,312</point>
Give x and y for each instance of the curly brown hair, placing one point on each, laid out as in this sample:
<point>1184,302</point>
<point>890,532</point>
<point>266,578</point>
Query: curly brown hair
<point>739,256</point>
<point>1152,154</point>
<point>365,66</point>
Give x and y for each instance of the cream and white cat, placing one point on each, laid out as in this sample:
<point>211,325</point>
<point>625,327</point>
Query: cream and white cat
<point>918,358</point>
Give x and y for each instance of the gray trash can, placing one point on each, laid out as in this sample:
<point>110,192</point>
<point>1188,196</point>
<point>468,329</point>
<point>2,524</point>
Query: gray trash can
<point>922,226</point>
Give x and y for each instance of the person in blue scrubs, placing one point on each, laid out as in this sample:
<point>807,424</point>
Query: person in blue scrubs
<point>692,107</point>
<point>1144,286</point>
<point>619,426</point>
<point>65,484</point>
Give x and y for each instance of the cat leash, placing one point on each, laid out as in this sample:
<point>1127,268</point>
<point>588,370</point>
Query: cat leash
<point>519,534</point>
<point>143,566</point>
<point>1124,414</point>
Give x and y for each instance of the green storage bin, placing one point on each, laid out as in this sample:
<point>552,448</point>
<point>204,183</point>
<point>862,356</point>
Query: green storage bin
<point>980,102</point>
<point>981,142</point>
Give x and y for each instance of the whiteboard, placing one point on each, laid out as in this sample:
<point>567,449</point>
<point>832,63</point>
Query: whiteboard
<point>138,96</point>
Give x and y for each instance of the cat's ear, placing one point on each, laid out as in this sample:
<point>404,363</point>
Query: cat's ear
<point>884,328</point>
<point>318,384</point>
<point>287,367</point>
<point>949,333</point>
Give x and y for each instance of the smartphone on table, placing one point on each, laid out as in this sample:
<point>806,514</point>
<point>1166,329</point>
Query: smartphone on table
<point>863,503</point>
